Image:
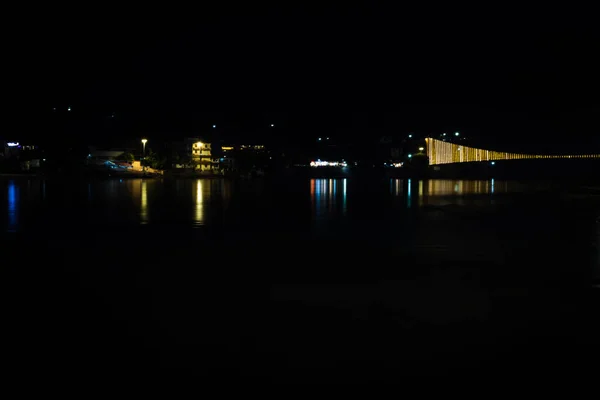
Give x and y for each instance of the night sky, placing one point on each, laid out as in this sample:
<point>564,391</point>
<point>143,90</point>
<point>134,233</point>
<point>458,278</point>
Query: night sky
<point>501,75</point>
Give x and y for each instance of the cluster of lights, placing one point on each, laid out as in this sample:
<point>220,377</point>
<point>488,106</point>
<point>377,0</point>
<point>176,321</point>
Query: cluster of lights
<point>320,163</point>
<point>440,152</point>
<point>394,165</point>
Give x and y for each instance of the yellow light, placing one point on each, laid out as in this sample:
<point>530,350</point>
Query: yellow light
<point>441,152</point>
<point>144,204</point>
<point>199,217</point>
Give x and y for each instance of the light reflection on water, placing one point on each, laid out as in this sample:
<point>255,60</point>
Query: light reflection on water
<point>439,187</point>
<point>201,202</point>
<point>144,202</point>
<point>199,207</point>
<point>13,206</point>
<point>325,197</point>
<point>327,200</point>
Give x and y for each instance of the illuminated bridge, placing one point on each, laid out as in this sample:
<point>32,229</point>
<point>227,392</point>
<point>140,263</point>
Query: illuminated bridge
<point>440,152</point>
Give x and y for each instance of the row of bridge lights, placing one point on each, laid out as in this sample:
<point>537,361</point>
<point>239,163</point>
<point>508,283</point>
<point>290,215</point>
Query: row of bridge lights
<point>443,134</point>
<point>421,149</point>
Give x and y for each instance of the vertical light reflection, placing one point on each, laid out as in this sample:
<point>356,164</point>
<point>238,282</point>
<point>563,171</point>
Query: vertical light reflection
<point>325,197</point>
<point>335,189</point>
<point>144,203</point>
<point>13,206</point>
<point>330,192</point>
<point>199,208</point>
<point>492,187</point>
<point>420,193</point>
<point>344,198</point>
<point>396,187</point>
<point>408,194</point>
<point>316,183</point>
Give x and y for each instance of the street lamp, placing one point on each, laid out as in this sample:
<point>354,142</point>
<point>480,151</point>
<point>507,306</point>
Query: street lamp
<point>272,125</point>
<point>456,134</point>
<point>421,148</point>
<point>144,153</point>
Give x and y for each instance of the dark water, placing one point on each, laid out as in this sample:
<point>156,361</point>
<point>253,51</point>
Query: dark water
<point>214,203</point>
<point>323,280</point>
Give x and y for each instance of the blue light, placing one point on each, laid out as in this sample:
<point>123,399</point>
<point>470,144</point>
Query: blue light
<point>214,126</point>
<point>493,163</point>
<point>12,198</point>
<point>344,198</point>
<point>13,206</point>
<point>456,134</point>
<point>409,136</point>
<point>410,156</point>
<point>409,194</point>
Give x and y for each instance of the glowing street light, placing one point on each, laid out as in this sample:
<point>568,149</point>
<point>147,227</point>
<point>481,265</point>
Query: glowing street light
<point>272,125</point>
<point>214,126</point>
<point>144,141</point>
<point>456,134</point>
<point>421,148</point>
<point>410,136</point>
<point>410,156</point>
<point>493,163</point>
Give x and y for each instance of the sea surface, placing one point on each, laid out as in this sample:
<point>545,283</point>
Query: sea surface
<point>349,280</point>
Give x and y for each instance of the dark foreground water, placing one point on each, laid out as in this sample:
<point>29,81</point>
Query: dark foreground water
<point>323,280</point>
